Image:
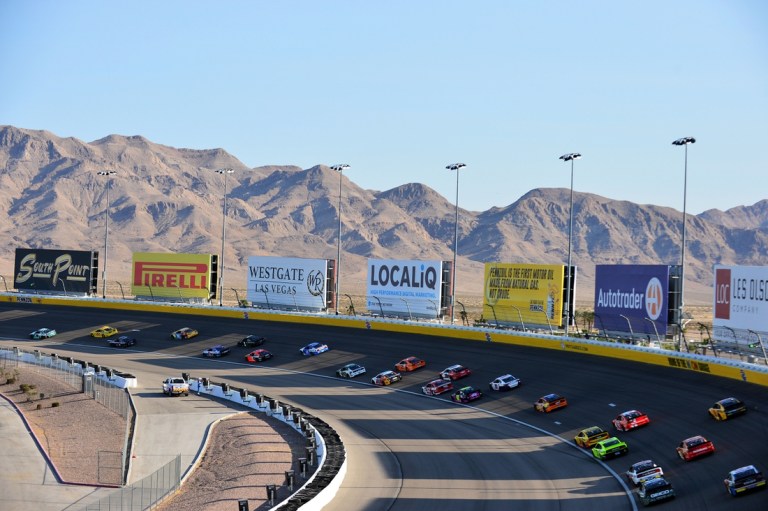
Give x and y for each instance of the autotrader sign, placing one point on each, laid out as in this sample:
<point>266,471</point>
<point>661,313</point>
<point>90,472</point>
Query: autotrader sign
<point>629,297</point>
<point>172,275</point>
<point>287,282</point>
<point>404,287</point>
<point>741,303</point>
<point>42,270</point>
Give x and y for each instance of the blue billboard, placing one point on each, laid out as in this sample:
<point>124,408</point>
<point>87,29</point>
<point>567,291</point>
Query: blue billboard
<point>632,298</point>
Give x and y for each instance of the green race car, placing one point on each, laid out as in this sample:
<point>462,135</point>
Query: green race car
<point>609,448</point>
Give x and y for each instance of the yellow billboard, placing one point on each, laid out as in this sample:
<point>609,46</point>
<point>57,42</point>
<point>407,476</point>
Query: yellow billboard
<point>527,294</point>
<point>175,276</point>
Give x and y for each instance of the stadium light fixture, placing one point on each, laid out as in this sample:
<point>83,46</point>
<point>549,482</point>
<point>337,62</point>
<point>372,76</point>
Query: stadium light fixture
<point>340,169</point>
<point>569,157</point>
<point>683,142</point>
<point>225,172</point>
<point>456,167</point>
<point>108,174</point>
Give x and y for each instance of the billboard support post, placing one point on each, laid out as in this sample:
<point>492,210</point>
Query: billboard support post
<point>522,325</point>
<point>569,157</point>
<point>340,169</point>
<point>106,173</point>
<point>220,289</point>
<point>4,283</point>
<point>407,306</point>
<point>629,323</point>
<point>456,167</point>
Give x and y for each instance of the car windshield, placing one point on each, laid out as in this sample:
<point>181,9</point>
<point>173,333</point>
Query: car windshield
<point>632,415</point>
<point>611,442</point>
<point>731,405</point>
<point>693,442</point>
<point>506,379</point>
<point>593,431</point>
<point>745,472</point>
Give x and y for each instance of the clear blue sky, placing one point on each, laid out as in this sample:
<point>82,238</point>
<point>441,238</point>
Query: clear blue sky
<point>400,89</point>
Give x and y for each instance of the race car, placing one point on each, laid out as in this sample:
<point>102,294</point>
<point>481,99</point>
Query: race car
<point>692,448</point>
<point>655,490</point>
<point>437,387</point>
<point>588,437</point>
<point>505,382</point>
<point>313,348</point>
<point>184,333</point>
<point>744,479</point>
<point>122,342</point>
<point>549,403</point>
<point>630,420</point>
<point>216,351</point>
<point>350,371</point>
<point>258,356</point>
<point>455,372</point>
<point>410,364</point>
<point>386,378</point>
<point>727,408</point>
<point>105,331</point>
<point>466,394</point>
<point>610,447</point>
<point>251,341</point>
<point>643,471</point>
<point>43,333</point>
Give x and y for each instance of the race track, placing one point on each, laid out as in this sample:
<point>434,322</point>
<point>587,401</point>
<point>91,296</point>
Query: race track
<point>407,451</point>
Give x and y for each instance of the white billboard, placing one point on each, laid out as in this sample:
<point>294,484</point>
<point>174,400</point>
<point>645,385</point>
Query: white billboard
<point>404,287</point>
<point>741,304</point>
<point>287,282</point>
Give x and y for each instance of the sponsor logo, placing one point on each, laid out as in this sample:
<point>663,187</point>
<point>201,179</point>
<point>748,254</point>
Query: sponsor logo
<point>404,276</point>
<point>723,293</point>
<point>170,275</point>
<point>619,299</point>
<point>654,299</point>
<point>315,283</point>
<point>60,268</point>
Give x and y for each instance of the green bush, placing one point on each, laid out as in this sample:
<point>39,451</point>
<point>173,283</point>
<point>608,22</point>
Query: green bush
<point>55,404</point>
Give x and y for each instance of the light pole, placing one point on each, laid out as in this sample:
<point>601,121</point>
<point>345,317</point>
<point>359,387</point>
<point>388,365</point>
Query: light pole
<point>108,174</point>
<point>569,157</point>
<point>225,172</point>
<point>456,167</point>
<point>683,142</point>
<point>340,169</point>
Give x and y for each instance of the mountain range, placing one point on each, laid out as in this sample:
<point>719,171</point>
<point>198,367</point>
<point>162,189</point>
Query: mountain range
<point>165,199</point>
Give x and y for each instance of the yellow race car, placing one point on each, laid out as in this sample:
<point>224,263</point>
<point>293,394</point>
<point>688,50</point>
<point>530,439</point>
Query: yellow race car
<point>105,331</point>
<point>727,408</point>
<point>590,436</point>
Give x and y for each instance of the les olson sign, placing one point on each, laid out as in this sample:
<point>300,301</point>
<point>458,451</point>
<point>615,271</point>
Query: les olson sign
<point>741,303</point>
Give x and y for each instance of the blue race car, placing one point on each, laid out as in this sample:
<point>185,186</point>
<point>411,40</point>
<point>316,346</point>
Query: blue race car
<point>314,348</point>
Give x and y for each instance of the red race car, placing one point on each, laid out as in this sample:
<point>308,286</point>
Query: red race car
<point>630,420</point>
<point>455,372</point>
<point>437,387</point>
<point>692,448</point>
<point>258,356</point>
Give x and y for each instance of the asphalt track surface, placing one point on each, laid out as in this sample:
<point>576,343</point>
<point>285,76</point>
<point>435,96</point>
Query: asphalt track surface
<point>407,451</point>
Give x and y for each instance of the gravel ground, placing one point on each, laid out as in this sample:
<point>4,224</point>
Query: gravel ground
<point>245,452</point>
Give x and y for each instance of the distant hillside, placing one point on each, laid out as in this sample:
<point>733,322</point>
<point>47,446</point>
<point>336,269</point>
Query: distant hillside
<point>169,199</point>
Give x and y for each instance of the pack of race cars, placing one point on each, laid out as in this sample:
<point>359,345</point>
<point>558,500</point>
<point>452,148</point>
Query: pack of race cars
<point>651,484</point>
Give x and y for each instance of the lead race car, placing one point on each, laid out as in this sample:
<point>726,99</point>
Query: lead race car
<point>313,348</point>
<point>216,351</point>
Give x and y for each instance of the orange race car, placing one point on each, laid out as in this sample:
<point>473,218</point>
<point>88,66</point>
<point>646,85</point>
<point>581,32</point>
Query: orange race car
<point>549,403</point>
<point>409,364</point>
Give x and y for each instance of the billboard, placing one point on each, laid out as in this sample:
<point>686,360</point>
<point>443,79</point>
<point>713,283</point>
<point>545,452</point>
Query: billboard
<point>404,287</point>
<point>288,283</point>
<point>55,271</point>
<point>740,303</point>
<point>632,298</point>
<point>531,294</point>
<point>174,276</point>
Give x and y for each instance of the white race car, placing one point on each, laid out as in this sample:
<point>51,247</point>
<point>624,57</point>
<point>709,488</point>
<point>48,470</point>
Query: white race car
<point>505,382</point>
<point>43,333</point>
<point>350,371</point>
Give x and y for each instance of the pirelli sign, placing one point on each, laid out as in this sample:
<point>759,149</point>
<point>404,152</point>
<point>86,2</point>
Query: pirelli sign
<point>174,276</point>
